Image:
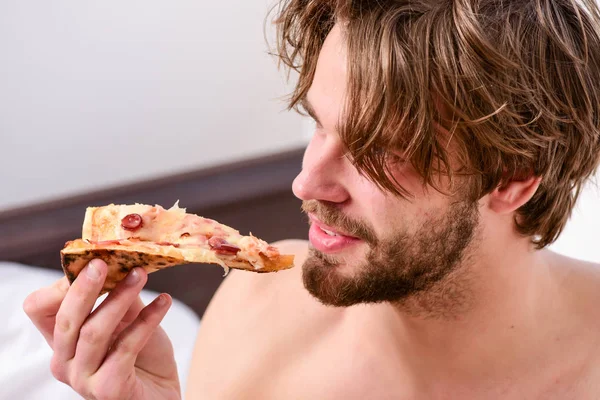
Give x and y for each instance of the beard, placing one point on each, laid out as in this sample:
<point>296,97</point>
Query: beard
<point>419,269</point>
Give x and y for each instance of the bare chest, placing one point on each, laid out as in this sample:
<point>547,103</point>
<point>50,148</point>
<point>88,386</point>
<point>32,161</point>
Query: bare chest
<point>322,371</point>
<point>330,370</point>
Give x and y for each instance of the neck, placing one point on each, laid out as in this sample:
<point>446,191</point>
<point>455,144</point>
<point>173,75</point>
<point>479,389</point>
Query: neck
<point>488,314</point>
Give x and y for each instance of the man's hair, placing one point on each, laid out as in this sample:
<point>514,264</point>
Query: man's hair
<point>518,82</point>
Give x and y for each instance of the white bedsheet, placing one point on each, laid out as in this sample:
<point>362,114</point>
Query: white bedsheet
<point>25,355</point>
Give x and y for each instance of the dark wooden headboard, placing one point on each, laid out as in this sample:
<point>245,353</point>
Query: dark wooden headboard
<point>253,195</point>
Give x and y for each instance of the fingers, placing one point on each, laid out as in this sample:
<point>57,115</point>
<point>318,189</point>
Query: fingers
<point>96,350</point>
<point>75,308</point>
<point>42,306</point>
<point>106,321</point>
<point>122,355</point>
<point>133,312</point>
<point>130,316</point>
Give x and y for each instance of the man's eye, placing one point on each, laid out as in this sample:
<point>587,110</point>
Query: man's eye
<point>379,151</point>
<point>390,156</point>
<point>395,158</point>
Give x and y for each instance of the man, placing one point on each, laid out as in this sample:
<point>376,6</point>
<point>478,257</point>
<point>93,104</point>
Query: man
<point>452,138</point>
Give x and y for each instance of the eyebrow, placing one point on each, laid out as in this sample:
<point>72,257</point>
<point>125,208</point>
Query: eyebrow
<point>310,110</point>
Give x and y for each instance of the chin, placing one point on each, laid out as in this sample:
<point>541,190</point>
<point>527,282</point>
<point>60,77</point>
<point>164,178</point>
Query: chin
<point>328,276</point>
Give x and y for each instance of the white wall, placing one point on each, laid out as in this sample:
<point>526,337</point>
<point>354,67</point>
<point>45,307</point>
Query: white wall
<point>580,237</point>
<point>98,93</point>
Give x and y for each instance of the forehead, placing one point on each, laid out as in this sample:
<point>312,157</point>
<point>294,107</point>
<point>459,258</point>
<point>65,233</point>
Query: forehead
<point>328,88</point>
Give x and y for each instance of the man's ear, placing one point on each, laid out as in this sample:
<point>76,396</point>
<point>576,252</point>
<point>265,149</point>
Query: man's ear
<point>513,194</point>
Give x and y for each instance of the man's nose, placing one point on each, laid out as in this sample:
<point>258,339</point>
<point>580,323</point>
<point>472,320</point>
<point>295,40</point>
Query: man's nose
<point>323,176</point>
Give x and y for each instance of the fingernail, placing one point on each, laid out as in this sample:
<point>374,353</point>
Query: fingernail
<point>92,270</point>
<point>161,300</point>
<point>133,277</point>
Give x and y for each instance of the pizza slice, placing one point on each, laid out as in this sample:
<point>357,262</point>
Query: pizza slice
<point>152,237</point>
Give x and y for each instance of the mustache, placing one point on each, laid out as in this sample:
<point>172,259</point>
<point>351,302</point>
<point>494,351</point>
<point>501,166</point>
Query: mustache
<point>330,215</point>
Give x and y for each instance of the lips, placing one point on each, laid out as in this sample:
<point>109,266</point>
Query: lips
<point>328,239</point>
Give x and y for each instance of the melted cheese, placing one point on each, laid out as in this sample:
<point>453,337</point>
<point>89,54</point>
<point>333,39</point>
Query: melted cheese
<point>188,232</point>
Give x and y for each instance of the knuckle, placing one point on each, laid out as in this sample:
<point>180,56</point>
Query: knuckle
<point>63,323</point>
<point>124,346</point>
<point>30,304</point>
<point>58,370</point>
<point>89,334</point>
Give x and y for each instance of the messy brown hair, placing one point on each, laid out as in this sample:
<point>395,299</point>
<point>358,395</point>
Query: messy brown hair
<point>518,80</point>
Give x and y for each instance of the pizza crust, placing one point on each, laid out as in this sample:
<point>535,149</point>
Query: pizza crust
<point>119,261</point>
<point>152,257</point>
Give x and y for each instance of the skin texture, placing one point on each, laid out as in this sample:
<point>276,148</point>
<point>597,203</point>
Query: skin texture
<point>499,321</point>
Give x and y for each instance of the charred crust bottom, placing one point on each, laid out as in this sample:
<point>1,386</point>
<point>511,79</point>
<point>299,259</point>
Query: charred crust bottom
<point>119,262</point>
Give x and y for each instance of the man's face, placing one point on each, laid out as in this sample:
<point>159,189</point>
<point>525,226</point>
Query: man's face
<point>368,245</point>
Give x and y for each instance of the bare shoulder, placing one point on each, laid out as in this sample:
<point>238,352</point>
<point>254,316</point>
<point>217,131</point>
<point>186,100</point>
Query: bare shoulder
<point>585,297</point>
<point>579,285</point>
<point>580,281</point>
<point>246,313</point>
<point>240,287</point>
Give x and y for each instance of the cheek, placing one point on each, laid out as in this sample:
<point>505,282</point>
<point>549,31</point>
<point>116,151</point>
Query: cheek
<point>411,181</point>
<point>380,211</point>
<point>425,202</point>
<point>388,214</point>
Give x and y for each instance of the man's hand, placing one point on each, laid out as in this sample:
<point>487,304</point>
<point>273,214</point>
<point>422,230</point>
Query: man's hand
<point>118,351</point>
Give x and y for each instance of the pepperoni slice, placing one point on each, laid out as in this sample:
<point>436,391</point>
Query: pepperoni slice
<point>222,246</point>
<point>132,222</point>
